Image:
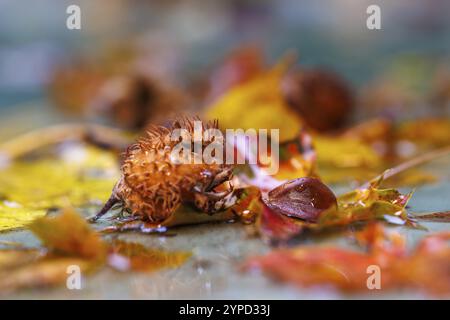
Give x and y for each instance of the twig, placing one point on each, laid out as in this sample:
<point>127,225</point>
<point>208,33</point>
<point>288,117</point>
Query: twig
<point>443,216</point>
<point>389,173</point>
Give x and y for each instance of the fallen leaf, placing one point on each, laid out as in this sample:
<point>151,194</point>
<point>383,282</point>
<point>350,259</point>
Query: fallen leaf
<point>275,227</point>
<point>134,256</point>
<point>252,105</point>
<point>425,268</point>
<point>343,152</point>
<point>325,212</point>
<point>425,133</point>
<point>238,66</point>
<point>44,272</point>
<point>69,242</point>
<point>12,217</point>
<point>29,188</point>
<point>69,234</point>
<point>11,259</point>
<point>370,203</point>
<point>298,158</point>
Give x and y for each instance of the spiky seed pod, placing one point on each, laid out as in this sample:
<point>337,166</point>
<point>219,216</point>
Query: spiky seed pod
<point>153,185</point>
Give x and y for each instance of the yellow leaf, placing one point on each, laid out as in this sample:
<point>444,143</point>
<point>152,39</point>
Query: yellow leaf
<point>28,189</point>
<point>344,152</point>
<point>12,217</point>
<point>257,104</point>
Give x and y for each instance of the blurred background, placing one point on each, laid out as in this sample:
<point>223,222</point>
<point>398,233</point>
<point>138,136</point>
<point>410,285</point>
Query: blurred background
<point>180,40</point>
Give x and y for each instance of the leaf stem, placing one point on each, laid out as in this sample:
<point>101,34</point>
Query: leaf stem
<point>389,173</point>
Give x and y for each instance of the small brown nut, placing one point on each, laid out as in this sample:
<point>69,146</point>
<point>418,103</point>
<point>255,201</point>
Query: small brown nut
<point>304,198</point>
<point>322,98</point>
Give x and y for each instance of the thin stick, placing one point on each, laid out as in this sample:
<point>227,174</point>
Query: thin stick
<point>443,216</point>
<point>409,164</point>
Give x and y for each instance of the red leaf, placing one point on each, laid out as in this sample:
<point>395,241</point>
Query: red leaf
<point>274,226</point>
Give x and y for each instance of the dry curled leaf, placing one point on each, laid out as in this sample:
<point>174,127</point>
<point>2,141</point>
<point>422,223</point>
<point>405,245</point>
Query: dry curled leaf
<point>134,256</point>
<point>44,272</point>
<point>69,242</point>
<point>276,227</point>
<point>425,268</point>
<point>69,234</point>
<point>369,203</point>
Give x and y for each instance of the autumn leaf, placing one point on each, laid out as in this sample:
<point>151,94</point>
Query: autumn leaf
<point>134,256</point>
<point>252,105</point>
<point>41,273</point>
<point>367,204</point>
<point>298,158</point>
<point>425,268</point>
<point>275,227</point>
<point>69,234</point>
<point>12,259</point>
<point>425,132</point>
<point>312,205</point>
<point>342,152</point>
<point>13,216</point>
<point>69,241</point>
<point>29,188</point>
<point>237,67</point>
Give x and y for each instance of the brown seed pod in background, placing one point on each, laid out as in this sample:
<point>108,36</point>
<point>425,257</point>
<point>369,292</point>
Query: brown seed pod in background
<point>322,98</point>
<point>154,184</point>
<point>134,101</point>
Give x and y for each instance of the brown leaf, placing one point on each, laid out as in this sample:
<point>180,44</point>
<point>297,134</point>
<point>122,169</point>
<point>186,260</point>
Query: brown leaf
<point>69,234</point>
<point>41,273</point>
<point>426,268</point>
<point>135,256</point>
